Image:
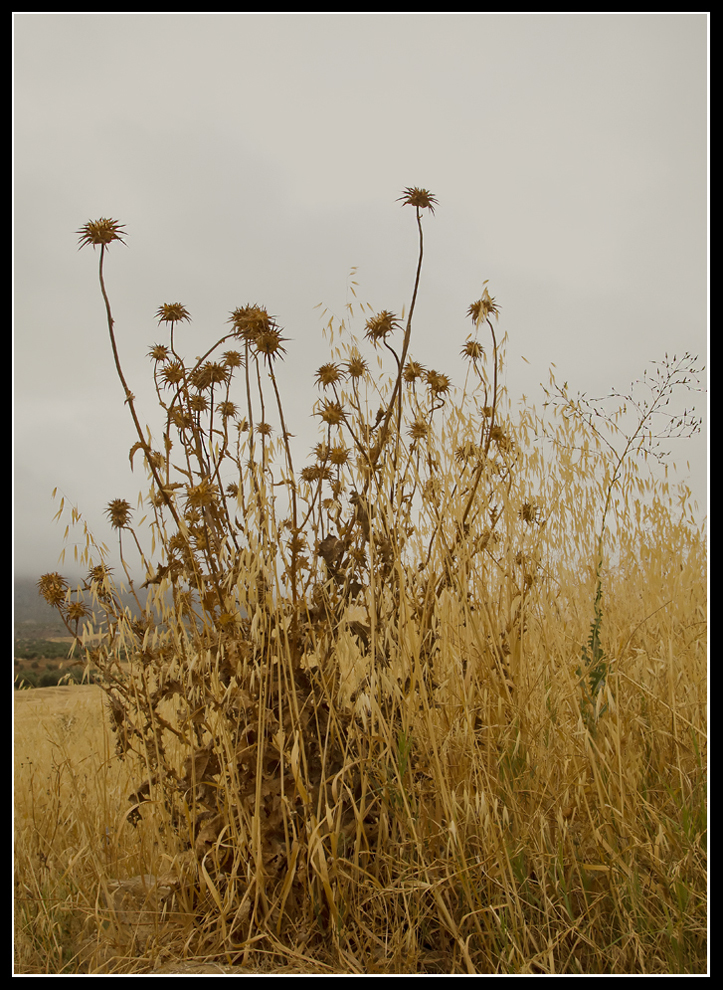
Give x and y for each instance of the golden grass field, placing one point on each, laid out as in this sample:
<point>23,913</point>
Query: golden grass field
<point>593,851</point>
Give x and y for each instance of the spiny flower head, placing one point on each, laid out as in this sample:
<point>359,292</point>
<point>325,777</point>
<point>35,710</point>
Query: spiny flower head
<point>102,232</point>
<point>99,573</point>
<point>180,419</point>
<point>418,430</point>
<point>332,413</point>
<point>201,495</point>
<point>437,382</point>
<point>328,374</point>
<point>412,371</point>
<point>77,611</point>
<point>466,451</point>
<point>315,472</point>
<point>232,359</point>
<point>228,409</point>
<point>159,352</point>
<point>484,307</point>
<point>269,342</point>
<point>248,321</point>
<point>356,367</point>
<point>421,198</point>
<point>339,454</point>
<point>172,313</point>
<point>173,373</point>
<point>208,374</point>
<point>119,513</point>
<point>199,403</point>
<point>502,440</point>
<point>380,326</point>
<point>530,511</point>
<point>472,350</point>
<point>52,588</point>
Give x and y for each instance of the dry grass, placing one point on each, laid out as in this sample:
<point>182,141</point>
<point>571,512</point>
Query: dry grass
<point>439,708</point>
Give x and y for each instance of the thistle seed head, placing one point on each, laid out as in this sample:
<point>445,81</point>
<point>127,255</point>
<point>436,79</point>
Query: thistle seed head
<point>172,313</point>
<point>483,308</point>
<point>380,326</point>
<point>52,588</point>
<point>102,232</point>
<point>119,513</point>
<point>421,198</point>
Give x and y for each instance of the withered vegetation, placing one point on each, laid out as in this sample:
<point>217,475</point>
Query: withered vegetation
<point>433,701</point>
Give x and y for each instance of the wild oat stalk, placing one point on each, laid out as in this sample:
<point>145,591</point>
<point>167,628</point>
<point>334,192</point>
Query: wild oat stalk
<point>608,427</point>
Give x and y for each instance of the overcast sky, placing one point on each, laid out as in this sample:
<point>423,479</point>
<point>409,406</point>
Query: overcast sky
<point>258,158</point>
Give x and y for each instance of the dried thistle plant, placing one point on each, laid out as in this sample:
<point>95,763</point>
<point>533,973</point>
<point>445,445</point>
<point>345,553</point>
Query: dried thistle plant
<point>346,691</point>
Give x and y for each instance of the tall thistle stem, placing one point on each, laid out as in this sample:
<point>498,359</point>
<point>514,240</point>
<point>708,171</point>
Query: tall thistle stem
<point>419,199</point>
<point>130,398</point>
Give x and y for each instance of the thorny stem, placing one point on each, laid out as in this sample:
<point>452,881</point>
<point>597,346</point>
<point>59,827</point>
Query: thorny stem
<point>398,391</point>
<point>130,396</point>
<point>292,485</point>
<point>483,457</point>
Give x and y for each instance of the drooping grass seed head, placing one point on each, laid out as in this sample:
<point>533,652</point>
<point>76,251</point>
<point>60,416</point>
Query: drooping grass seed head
<point>103,232</point>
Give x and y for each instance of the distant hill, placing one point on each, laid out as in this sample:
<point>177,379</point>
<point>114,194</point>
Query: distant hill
<point>33,617</point>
